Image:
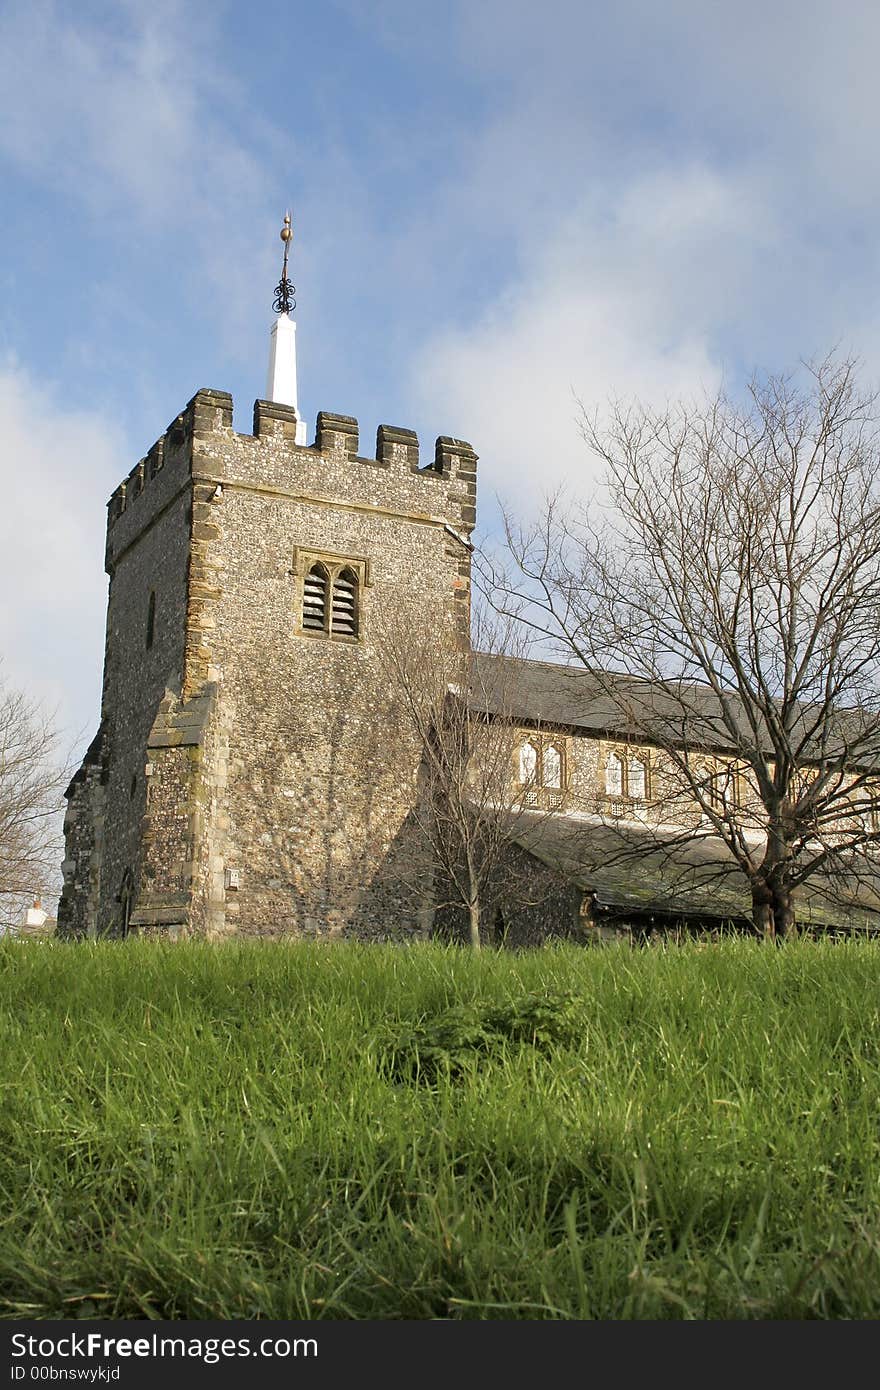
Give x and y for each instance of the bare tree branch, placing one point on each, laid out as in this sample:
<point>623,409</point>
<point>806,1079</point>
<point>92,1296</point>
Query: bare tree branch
<point>31,787</point>
<point>729,608</point>
<point>472,799</point>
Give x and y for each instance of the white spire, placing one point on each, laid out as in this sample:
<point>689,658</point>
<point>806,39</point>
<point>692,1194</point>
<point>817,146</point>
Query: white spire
<point>281,383</point>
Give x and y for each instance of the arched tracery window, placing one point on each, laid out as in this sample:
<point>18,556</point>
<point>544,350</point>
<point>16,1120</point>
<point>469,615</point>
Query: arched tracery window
<point>541,770</point>
<point>528,762</point>
<point>552,766</point>
<point>627,776</point>
<point>344,618</point>
<point>614,775</point>
<point>331,597</point>
<point>717,789</point>
<point>314,614</point>
<point>637,779</point>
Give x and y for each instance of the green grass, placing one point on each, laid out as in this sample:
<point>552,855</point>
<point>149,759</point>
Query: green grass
<point>381,1132</point>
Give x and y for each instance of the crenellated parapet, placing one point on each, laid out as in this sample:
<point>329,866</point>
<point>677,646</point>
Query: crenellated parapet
<point>339,435</point>
<point>200,445</point>
<point>336,434</point>
<point>158,479</point>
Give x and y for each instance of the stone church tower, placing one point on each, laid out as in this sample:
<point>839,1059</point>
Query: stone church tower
<point>249,774</point>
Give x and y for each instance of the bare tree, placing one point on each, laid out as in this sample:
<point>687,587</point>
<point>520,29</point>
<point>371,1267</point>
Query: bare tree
<point>474,795</point>
<point>727,608</point>
<point>31,787</point>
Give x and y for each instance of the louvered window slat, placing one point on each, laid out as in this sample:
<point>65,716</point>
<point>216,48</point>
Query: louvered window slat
<point>331,600</point>
<point>315,600</point>
<point>345,604</point>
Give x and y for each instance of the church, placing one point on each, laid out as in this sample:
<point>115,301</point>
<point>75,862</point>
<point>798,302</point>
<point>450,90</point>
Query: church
<point>251,775</point>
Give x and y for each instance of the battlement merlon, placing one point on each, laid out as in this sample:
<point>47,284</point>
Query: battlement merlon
<point>202,444</point>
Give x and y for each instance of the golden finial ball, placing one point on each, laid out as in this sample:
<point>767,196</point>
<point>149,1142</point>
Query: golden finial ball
<point>286,232</point>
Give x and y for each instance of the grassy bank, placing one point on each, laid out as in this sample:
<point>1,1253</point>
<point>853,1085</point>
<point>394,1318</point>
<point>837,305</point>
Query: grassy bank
<point>306,1131</point>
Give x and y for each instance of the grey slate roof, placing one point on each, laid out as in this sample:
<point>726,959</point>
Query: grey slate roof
<point>637,870</point>
<point>570,697</point>
<point>549,693</point>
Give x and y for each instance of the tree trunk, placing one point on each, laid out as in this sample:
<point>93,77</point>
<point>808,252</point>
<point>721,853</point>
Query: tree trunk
<point>783,912</point>
<point>772,905</point>
<point>473,899</point>
<point>762,910</point>
<point>474,923</point>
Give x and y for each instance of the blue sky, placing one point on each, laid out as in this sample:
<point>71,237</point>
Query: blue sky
<point>498,206</point>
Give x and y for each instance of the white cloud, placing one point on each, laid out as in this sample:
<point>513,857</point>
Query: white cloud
<point>625,299</point>
<point>57,467</point>
<point>684,191</point>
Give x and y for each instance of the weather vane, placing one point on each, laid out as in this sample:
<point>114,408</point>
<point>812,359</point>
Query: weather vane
<point>284,302</point>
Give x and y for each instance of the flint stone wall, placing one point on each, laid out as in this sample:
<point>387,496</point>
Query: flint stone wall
<point>253,778</point>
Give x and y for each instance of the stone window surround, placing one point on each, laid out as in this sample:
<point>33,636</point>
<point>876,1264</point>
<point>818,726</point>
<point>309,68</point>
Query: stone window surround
<point>303,560</point>
<point>626,756</point>
<point>722,778</point>
<point>536,789</point>
<point>724,786</point>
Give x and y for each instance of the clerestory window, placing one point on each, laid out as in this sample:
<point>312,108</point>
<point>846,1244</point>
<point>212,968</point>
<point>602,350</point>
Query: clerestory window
<point>541,769</point>
<point>637,779</point>
<point>626,776</point>
<point>528,763</point>
<point>552,765</point>
<point>722,788</point>
<point>614,775</point>
<point>715,791</point>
